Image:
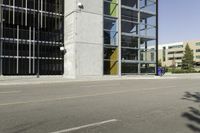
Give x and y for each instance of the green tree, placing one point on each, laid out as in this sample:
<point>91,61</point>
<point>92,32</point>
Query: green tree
<point>187,61</point>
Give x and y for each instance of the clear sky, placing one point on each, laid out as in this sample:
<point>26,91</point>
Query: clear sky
<point>179,20</point>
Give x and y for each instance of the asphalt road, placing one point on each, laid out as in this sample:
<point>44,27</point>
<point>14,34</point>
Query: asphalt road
<point>128,106</point>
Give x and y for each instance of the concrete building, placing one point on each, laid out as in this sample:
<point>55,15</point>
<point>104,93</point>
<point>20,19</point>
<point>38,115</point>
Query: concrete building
<point>101,37</point>
<point>108,37</point>
<point>171,54</point>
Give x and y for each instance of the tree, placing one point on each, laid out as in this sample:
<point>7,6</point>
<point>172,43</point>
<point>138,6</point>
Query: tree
<point>187,61</point>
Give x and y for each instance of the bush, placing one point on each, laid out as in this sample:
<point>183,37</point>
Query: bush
<point>183,71</point>
<point>179,70</point>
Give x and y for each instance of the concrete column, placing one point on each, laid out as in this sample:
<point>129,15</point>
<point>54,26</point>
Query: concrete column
<point>83,38</point>
<point>69,38</point>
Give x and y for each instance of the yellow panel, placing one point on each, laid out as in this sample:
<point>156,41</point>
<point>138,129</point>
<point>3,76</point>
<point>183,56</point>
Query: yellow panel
<point>114,63</point>
<point>113,8</point>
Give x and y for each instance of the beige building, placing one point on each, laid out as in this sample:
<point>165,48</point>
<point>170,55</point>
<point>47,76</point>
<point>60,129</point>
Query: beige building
<point>171,54</point>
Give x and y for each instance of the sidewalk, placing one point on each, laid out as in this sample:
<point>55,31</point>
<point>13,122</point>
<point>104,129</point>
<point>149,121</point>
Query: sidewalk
<point>27,80</point>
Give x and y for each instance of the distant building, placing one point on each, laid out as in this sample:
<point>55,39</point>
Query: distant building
<point>171,54</point>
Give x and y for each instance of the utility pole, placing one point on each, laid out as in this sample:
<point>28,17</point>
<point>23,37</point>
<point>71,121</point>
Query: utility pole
<point>157,37</point>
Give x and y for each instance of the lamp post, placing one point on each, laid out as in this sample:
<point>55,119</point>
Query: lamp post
<point>157,36</point>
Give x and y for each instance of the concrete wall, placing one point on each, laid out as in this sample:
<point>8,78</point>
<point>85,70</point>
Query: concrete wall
<point>70,38</point>
<point>84,38</point>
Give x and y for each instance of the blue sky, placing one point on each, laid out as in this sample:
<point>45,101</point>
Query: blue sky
<point>179,20</point>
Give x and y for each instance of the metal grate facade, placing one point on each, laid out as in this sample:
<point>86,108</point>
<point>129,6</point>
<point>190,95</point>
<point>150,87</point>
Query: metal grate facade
<point>31,34</point>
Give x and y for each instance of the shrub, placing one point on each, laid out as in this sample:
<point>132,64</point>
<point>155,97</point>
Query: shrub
<point>183,71</point>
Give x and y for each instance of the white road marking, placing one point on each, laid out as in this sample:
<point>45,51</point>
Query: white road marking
<point>8,92</point>
<point>85,96</point>
<point>100,85</point>
<point>86,126</point>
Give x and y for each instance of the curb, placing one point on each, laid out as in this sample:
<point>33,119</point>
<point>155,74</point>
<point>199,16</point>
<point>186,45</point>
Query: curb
<point>30,81</point>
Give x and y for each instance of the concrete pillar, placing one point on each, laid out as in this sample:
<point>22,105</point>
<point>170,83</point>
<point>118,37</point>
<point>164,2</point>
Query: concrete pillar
<point>83,38</point>
<point>69,38</point>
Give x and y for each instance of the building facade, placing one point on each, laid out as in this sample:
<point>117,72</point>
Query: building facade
<point>110,37</point>
<point>101,37</point>
<point>171,54</point>
<point>31,37</point>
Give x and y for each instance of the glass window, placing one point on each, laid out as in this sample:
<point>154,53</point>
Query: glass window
<point>148,5</point>
<point>197,50</point>
<point>110,31</point>
<point>148,55</point>
<point>129,54</point>
<point>198,44</point>
<point>198,57</point>
<point>130,3</point>
<point>129,68</point>
<point>164,53</point>
<point>176,46</point>
<point>148,68</point>
<point>128,41</point>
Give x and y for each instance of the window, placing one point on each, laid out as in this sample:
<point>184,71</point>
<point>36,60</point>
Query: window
<point>110,31</point>
<point>175,58</point>
<point>197,50</point>
<point>131,42</point>
<point>111,37</point>
<point>152,56</point>
<point>129,68</point>
<point>171,52</point>
<point>198,44</point>
<point>164,53</point>
<point>176,46</point>
<point>176,52</point>
<point>198,57</point>
<point>129,54</point>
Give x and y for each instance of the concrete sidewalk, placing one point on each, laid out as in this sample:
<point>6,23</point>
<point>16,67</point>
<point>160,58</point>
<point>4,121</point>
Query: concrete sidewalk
<point>25,80</point>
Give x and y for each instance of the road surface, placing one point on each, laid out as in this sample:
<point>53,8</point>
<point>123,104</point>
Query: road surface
<point>128,106</point>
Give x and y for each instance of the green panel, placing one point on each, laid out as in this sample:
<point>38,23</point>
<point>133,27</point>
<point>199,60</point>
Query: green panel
<point>113,8</point>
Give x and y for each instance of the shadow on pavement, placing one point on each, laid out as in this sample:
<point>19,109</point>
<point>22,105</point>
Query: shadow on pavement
<point>193,113</point>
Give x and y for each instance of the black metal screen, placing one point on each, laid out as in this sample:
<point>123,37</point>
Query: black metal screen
<point>31,36</point>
